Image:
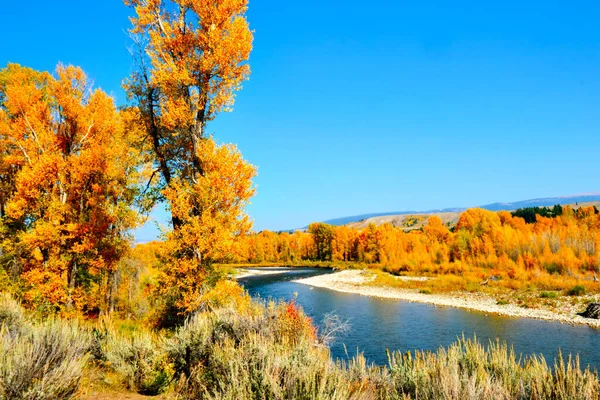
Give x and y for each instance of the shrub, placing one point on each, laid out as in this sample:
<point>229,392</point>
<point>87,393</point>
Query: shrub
<point>548,295</point>
<point>223,355</point>
<point>226,294</point>
<point>270,352</point>
<point>577,290</point>
<point>44,362</point>
<point>467,370</point>
<point>138,357</point>
<point>293,325</point>
<point>11,314</point>
<point>188,347</point>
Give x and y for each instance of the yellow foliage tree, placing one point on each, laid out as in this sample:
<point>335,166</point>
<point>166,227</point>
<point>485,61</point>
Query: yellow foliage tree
<point>192,58</point>
<point>69,182</point>
<point>212,216</point>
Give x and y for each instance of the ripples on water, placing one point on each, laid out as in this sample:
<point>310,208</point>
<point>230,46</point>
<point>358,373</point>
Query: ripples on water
<point>380,324</point>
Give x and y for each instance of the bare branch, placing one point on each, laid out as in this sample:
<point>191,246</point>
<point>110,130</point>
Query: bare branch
<point>150,181</point>
<point>83,139</point>
<point>333,328</point>
<point>22,150</point>
<point>35,136</point>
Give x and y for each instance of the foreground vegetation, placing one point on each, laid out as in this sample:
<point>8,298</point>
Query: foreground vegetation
<point>245,350</point>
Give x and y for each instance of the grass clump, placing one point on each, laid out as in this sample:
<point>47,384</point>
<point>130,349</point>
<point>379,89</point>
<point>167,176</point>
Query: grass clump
<point>577,290</point>
<point>270,352</point>
<point>548,295</point>
<point>11,313</point>
<point>225,355</point>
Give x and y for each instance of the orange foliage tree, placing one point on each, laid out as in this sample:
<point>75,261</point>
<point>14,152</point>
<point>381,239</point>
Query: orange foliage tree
<point>192,58</point>
<point>69,180</point>
<point>212,217</point>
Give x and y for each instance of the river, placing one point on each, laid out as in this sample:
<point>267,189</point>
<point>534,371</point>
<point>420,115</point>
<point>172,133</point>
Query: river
<point>379,324</point>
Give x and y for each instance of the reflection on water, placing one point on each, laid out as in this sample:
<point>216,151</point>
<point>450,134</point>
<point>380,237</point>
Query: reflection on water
<point>380,324</point>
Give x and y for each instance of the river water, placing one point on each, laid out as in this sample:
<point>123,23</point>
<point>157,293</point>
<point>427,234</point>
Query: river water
<point>380,324</point>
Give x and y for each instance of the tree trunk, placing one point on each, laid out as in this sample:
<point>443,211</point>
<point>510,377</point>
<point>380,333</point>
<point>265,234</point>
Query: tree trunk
<point>71,275</point>
<point>197,137</point>
<point>114,285</point>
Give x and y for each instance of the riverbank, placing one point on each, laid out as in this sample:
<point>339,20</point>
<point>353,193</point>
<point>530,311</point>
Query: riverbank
<point>361,282</point>
<point>246,272</point>
<point>239,271</point>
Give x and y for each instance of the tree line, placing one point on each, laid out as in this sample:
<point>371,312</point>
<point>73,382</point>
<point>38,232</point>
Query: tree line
<point>562,244</point>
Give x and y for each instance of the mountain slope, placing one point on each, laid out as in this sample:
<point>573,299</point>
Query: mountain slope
<point>399,218</point>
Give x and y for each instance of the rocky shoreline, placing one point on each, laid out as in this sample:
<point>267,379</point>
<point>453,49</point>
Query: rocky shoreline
<point>357,282</point>
<point>246,272</point>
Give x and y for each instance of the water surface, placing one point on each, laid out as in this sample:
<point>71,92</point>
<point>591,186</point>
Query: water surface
<point>380,324</point>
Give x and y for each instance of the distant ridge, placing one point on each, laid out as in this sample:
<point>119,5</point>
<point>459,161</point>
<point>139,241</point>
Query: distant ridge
<point>542,202</point>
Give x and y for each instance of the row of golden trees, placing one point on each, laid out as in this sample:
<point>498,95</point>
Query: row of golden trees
<point>565,244</point>
<point>77,174</point>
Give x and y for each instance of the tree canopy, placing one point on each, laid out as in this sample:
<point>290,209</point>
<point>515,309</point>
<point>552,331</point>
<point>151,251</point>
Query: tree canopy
<point>69,180</point>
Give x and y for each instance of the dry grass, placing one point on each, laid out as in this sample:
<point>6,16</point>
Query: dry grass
<point>531,289</point>
<point>468,370</point>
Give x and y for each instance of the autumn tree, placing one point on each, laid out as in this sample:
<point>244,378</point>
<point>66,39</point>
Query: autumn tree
<point>552,252</point>
<point>69,180</point>
<point>191,58</point>
<point>435,229</point>
<point>212,216</point>
<point>341,244</point>
<point>322,234</point>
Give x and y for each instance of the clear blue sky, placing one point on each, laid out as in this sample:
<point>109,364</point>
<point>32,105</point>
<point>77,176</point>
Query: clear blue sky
<point>355,108</point>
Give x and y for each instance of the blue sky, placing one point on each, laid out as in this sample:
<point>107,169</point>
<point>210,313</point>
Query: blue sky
<point>355,108</point>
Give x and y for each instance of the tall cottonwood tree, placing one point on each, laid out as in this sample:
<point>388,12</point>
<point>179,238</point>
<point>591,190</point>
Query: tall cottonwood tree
<point>69,180</point>
<point>192,57</point>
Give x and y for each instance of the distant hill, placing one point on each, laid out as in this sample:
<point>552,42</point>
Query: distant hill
<point>407,221</point>
<point>545,202</point>
<point>449,215</point>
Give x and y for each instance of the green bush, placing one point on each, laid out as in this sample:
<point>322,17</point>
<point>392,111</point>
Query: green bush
<point>549,295</point>
<point>577,290</point>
